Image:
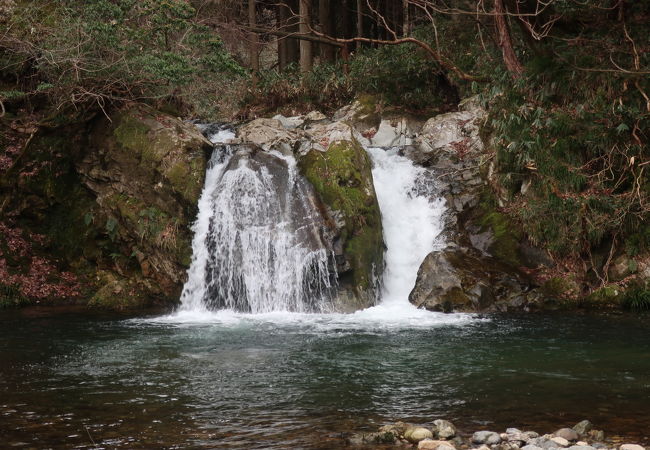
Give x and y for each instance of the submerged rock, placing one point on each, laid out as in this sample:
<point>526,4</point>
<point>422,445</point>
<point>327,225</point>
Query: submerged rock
<point>583,427</point>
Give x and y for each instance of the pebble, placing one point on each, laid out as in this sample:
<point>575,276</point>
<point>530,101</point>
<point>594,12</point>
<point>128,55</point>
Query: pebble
<point>560,441</point>
<point>486,437</point>
<point>631,447</point>
<point>430,444</point>
<point>417,434</point>
<point>445,429</point>
<point>567,433</point>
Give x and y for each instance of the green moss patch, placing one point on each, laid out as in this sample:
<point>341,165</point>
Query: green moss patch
<point>343,180</point>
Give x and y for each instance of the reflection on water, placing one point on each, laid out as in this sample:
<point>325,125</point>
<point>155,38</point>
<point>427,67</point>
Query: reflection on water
<point>71,380</point>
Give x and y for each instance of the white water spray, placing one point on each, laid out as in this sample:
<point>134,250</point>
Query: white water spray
<point>411,216</point>
<point>257,245</point>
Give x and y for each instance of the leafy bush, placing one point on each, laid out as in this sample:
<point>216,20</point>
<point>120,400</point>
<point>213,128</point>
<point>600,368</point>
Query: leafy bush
<point>403,76</point>
<point>100,51</point>
<point>325,87</point>
<point>637,299</point>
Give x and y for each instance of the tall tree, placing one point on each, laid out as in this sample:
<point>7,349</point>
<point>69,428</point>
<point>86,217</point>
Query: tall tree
<point>254,42</point>
<point>305,45</point>
<point>505,40</point>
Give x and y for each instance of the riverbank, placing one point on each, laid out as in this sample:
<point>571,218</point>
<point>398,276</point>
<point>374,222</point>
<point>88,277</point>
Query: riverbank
<point>443,435</point>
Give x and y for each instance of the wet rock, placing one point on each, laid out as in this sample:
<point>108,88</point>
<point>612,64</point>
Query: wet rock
<point>342,179</point>
<point>417,434</point>
<point>560,441</point>
<point>567,433</point>
<point>270,134</point>
<point>486,437</point>
<point>453,280</point>
<point>631,447</point>
<point>147,170</point>
<point>596,435</point>
<point>397,428</point>
<point>581,447</point>
<point>372,438</point>
<point>444,429</point>
<point>583,427</point>
<point>429,444</point>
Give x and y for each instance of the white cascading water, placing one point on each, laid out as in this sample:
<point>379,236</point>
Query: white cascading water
<point>256,243</point>
<point>412,218</point>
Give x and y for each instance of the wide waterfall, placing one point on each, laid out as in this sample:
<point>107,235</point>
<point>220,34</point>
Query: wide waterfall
<point>257,245</point>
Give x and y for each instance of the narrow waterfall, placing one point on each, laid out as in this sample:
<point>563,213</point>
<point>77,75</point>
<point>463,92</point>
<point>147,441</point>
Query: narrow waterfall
<point>411,215</point>
<point>257,246</point>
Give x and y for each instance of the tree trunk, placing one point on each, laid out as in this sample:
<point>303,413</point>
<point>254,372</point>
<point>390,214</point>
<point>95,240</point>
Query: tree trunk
<point>505,41</point>
<point>326,51</point>
<point>305,46</point>
<point>254,43</point>
<point>282,41</point>
<point>406,25</point>
<point>359,22</point>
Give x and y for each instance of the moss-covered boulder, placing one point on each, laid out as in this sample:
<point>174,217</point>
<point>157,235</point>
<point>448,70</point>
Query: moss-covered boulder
<point>342,178</point>
<point>146,170</point>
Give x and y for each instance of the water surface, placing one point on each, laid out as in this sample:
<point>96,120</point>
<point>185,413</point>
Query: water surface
<point>300,381</point>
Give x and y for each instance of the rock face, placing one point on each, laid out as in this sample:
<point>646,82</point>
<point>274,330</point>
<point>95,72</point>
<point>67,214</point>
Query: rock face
<point>342,178</point>
<point>480,268</point>
<point>453,280</point>
<point>147,170</point>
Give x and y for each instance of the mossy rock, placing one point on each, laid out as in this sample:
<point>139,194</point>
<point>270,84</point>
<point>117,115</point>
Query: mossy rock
<point>156,147</point>
<point>560,287</point>
<point>507,237</point>
<point>342,179</point>
<point>607,297</point>
<point>119,294</point>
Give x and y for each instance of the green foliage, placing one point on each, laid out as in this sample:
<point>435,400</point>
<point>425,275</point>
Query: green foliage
<point>100,51</point>
<point>403,76</point>
<point>325,88</point>
<point>636,298</point>
<point>11,297</point>
<point>575,136</point>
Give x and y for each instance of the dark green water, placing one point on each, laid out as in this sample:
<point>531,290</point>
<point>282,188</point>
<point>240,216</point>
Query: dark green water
<point>68,379</point>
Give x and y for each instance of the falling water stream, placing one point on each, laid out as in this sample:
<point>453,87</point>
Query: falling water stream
<point>257,247</point>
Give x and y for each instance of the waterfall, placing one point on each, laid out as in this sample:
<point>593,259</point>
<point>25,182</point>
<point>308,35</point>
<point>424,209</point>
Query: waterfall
<point>411,215</point>
<point>258,244</point>
<point>257,238</point>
